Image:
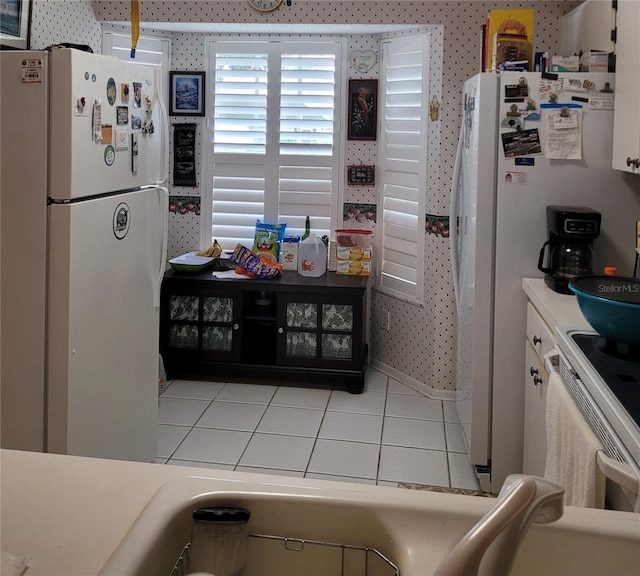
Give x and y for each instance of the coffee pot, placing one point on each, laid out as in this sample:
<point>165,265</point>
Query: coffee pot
<point>571,230</point>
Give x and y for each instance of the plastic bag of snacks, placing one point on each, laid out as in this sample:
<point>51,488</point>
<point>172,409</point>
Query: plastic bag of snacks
<point>253,264</point>
<point>267,241</point>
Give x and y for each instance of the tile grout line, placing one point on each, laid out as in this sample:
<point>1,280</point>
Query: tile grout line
<point>253,433</point>
<point>384,411</point>
<point>316,438</point>
<point>315,441</point>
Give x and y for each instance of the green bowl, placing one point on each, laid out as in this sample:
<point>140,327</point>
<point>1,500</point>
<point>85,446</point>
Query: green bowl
<point>191,262</point>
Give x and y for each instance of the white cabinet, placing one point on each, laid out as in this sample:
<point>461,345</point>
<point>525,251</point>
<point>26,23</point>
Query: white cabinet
<point>626,127</point>
<point>539,341</point>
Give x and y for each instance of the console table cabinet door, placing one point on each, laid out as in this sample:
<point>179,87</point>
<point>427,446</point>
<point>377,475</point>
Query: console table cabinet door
<point>201,327</point>
<point>220,330</point>
<point>319,331</point>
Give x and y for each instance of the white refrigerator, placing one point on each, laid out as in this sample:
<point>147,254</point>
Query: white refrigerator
<point>84,150</point>
<point>518,152</point>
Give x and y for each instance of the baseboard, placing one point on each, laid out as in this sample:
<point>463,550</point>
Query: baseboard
<point>412,383</point>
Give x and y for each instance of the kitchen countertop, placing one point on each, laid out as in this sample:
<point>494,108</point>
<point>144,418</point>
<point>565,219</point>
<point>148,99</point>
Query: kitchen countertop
<point>556,309</point>
<point>68,514</point>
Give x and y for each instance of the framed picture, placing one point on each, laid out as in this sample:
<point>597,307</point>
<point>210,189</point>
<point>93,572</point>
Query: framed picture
<point>15,24</point>
<point>186,97</point>
<point>364,175</point>
<point>363,109</point>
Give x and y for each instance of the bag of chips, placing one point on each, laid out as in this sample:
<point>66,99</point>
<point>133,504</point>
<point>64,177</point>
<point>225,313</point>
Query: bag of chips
<point>250,262</point>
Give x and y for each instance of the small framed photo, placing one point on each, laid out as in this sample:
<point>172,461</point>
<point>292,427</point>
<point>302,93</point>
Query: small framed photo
<point>124,93</point>
<point>122,115</point>
<point>363,109</point>
<point>361,175</point>
<point>122,140</point>
<point>186,93</point>
<point>137,94</point>
<point>15,24</point>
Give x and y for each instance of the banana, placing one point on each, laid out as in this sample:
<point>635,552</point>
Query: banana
<point>213,251</point>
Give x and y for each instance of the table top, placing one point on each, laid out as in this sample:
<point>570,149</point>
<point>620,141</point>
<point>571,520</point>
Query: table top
<point>287,280</point>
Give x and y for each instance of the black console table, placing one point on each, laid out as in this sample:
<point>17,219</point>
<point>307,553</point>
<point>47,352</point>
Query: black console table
<point>291,328</point>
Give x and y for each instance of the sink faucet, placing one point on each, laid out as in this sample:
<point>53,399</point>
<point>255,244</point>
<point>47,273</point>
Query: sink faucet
<point>522,501</point>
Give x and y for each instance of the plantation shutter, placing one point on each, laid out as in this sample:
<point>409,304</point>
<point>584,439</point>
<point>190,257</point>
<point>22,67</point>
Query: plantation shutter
<point>403,154</point>
<point>150,51</point>
<point>273,136</point>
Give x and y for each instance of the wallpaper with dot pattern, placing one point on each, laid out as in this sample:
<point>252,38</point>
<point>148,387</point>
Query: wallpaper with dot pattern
<point>421,340</point>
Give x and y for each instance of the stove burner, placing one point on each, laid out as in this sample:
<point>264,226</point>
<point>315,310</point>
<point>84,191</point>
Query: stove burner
<point>619,349</point>
<point>618,368</point>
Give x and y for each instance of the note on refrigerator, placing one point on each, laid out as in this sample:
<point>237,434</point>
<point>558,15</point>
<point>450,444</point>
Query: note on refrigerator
<point>564,134</point>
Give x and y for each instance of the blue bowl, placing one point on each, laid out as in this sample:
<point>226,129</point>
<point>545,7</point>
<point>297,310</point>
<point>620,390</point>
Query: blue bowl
<point>611,304</point>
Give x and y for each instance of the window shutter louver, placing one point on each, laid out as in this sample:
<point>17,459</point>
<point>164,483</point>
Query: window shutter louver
<point>240,104</point>
<point>403,153</point>
<point>238,201</point>
<point>274,136</point>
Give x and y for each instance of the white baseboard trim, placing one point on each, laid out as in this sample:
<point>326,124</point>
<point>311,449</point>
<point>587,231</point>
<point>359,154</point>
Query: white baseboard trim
<point>421,387</point>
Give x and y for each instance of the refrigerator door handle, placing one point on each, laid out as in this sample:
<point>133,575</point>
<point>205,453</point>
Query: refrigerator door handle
<point>163,197</point>
<point>164,118</point>
<point>453,221</point>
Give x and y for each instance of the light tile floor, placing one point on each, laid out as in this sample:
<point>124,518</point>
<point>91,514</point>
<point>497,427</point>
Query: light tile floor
<point>388,434</point>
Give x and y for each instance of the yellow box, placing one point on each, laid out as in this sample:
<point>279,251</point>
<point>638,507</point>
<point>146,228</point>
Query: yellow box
<point>363,253</point>
<point>353,267</point>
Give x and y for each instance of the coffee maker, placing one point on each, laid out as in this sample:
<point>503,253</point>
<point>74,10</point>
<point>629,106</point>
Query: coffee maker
<point>572,230</point>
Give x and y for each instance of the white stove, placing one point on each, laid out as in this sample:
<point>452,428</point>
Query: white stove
<point>604,380</point>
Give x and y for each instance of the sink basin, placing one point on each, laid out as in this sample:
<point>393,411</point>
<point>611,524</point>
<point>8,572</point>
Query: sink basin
<point>410,530</point>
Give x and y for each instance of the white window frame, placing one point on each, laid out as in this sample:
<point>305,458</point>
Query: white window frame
<point>338,161</point>
<point>403,161</point>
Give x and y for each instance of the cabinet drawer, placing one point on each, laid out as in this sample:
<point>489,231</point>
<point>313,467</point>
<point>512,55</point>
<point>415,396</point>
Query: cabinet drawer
<point>538,333</point>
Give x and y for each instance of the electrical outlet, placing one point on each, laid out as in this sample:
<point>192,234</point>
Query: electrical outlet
<point>385,319</point>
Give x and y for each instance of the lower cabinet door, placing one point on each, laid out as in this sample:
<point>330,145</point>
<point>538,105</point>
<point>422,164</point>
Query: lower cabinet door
<point>319,331</point>
<point>535,402</point>
<point>200,327</point>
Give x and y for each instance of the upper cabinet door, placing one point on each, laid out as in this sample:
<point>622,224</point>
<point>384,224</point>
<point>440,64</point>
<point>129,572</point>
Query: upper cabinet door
<point>626,130</point>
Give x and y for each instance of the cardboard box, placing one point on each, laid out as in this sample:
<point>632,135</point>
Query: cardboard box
<point>565,64</point>
<point>289,253</point>
<point>594,61</point>
<point>333,255</point>
<point>353,267</point>
<point>355,253</point>
<point>518,21</point>
<point>511,51</point>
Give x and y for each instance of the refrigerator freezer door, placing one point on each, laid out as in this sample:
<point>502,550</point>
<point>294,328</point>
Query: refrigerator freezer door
<point>473,204</point>
<point>97,104</point>
<point>105,255</point>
